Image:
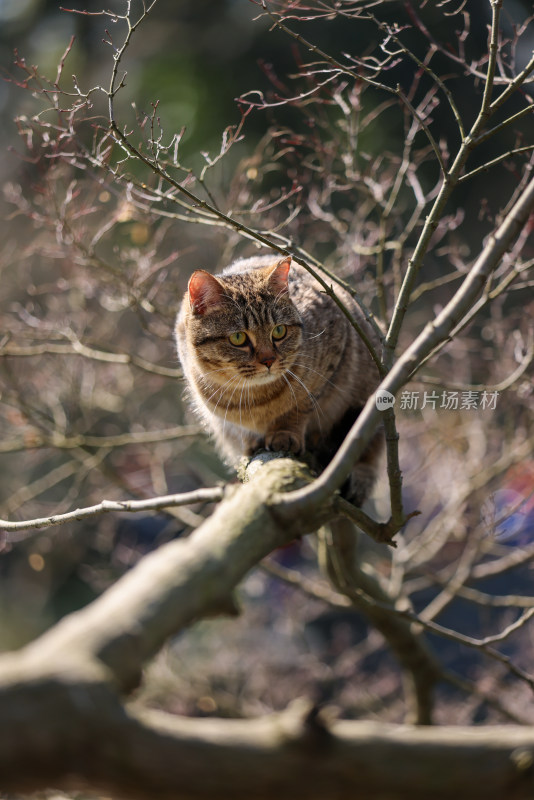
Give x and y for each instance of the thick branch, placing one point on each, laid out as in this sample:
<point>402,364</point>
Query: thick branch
<point>420,669</point>
<point>62,716</point>
<point>72,731</point>
<point>184,580</point>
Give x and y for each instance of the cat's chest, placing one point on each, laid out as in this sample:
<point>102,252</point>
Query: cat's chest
<point>251,406</point>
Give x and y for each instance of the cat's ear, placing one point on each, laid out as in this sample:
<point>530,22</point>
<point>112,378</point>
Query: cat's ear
<point>278,277</point>
<point>205,292</point>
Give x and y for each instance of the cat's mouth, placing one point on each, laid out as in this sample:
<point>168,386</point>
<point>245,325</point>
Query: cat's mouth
<point>263,378</point>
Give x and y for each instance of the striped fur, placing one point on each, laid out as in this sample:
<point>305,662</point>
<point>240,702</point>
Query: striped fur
<point>300,392</point>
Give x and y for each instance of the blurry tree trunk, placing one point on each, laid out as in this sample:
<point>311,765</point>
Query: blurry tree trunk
<point>63,722</point>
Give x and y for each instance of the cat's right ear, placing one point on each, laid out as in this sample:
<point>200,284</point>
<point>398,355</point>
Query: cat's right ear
<point>278,276</point>
<point>205,292</point>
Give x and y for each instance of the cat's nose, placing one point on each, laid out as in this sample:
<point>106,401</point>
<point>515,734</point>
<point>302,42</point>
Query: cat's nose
<point>268,360</point>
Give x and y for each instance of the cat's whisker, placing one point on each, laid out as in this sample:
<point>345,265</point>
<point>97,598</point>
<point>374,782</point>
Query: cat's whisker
<point>292,392</point>
<point>218,389</point>
<point>211,371</point>
<point>211,385</point>
<point>216,369</point>
<point>229,401</point>
<point>235,378</point>
<point>203,376</point>
<point>247,401</point>
<point>327,380</point>
<point>315,404</point>
<point>221,389</point>
<point>240,401</point>
<point>315,335</point>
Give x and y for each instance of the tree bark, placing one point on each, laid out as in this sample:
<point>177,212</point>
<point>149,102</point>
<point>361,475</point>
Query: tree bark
<point>184,580</point>
<point>68,729</point>
<point>64,723</point>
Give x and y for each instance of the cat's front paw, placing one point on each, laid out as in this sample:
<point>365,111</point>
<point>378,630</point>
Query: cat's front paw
<point>285,441</point>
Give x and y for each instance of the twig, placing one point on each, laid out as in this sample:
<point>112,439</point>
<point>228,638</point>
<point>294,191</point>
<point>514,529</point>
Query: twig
<point>213,495</point>
<point>485,167</point>
<point>491,700</point>
<point>78,348</point>
<point>451,179</point>
<point>496,6</point>
<point>61,442</point>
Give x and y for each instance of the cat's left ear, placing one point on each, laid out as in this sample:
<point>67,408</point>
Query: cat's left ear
<point>279,276</point>
<point>205,292</point>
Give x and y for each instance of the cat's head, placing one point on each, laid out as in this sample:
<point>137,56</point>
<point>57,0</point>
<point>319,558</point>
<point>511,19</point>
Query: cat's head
<point>243,324</point>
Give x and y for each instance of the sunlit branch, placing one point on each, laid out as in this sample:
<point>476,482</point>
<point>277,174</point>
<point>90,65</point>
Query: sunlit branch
<point>132,506</point>
<point>78,348</point>
<point>433,334</point>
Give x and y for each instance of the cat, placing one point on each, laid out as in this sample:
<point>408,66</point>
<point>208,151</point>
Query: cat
<point>270,361</point>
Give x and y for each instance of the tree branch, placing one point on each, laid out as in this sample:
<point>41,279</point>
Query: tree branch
<point>132,506</point>
<point>72,731</point>
<point>185,579</point>
<point>433,334</point>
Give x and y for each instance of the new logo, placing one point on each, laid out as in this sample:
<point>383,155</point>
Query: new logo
<point>384,399</point>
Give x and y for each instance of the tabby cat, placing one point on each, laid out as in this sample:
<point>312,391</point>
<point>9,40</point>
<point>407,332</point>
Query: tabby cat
<point>270,361</point>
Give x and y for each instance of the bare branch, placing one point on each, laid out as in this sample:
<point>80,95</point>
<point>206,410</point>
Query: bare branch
<point>433,334</point>
<point>61,442</point>
<point>132,506</point>
<point>78,348</point>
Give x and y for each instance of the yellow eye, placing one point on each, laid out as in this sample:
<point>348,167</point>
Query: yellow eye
<point>238,339</point>
<point>279,331</point>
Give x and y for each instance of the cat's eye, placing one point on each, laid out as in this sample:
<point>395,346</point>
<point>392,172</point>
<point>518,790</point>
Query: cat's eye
<point>238,339</point>
<point>278,332</point>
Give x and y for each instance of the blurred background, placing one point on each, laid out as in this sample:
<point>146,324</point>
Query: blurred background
<point>92,274</point>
